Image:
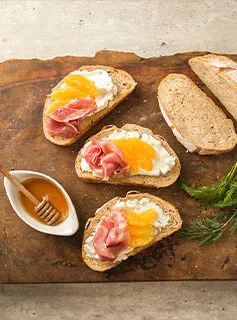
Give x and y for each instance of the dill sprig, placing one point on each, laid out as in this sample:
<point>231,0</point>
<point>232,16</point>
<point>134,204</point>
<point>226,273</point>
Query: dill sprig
<point>211,227</point>
<point>220,195</point>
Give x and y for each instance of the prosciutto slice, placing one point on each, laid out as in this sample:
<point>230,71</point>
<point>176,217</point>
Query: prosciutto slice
<point>61,129</point>
<point>65,120</point>
<point>105,158</point>
<point>113,236</point>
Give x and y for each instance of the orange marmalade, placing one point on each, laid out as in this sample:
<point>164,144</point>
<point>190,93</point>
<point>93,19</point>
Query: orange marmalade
<point>137,153</point>
<point>75,86</point>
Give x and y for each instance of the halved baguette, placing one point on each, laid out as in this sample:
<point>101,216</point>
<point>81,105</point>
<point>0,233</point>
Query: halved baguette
<point>174,224</point>
<point>137,180</point>
<point>125,85</point>
<point>195,120</point>
<point>219,74</point>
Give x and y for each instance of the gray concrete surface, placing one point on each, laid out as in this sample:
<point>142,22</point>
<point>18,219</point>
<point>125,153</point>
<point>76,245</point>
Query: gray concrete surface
<point>135,301</point>
<point>45,29</point>
<point>48,28</point>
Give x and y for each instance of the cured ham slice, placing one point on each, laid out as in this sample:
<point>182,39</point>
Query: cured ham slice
<point>105,158</point>
<point>65,120</point>
<point>112,237</point>
<point>60,128</point>
<point>75,110</point>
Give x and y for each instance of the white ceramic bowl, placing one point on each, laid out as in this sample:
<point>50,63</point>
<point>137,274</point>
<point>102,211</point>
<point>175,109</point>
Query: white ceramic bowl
<point>66,228</point>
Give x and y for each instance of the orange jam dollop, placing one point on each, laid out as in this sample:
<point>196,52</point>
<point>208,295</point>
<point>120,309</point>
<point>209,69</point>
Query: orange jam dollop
<point>137,154</point>
<point>140,227</point>
<point>75,86</point>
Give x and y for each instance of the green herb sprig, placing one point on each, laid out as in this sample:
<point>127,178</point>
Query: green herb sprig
<point>220,195</point>
<point>211,227</point>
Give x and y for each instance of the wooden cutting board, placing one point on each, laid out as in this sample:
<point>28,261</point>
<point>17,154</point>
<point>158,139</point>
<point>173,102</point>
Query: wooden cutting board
<point>28,256</point>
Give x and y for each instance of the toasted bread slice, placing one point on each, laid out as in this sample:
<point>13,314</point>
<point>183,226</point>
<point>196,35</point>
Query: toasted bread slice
<point>125,85</point>
<point>195,120</point>
<point>137,180</point>
<point>174,224</point>
<point>219,74</point>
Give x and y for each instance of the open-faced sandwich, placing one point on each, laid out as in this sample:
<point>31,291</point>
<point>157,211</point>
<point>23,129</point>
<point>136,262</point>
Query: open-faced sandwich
<point>131,155</point>
<point>81,99</point>
<point>122,227</point>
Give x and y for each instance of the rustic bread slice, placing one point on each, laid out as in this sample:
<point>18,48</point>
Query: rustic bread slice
<point>125,85</point>
<point>174,224</point>
<point>137,180</point>
<point>219,74</point>
<point>195,120</point>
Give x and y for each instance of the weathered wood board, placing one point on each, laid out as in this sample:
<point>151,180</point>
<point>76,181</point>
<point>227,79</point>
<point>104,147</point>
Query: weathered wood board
<point>28,256</point>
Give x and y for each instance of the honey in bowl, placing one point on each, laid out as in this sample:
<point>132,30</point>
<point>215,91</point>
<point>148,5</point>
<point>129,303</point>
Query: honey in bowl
<point>40,188</point>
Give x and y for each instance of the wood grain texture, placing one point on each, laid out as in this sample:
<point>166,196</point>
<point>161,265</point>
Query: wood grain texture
<point>28,256</point>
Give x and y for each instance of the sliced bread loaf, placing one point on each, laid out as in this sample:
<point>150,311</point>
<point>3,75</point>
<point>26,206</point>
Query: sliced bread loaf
<point>195,120</point>
<point>162,180</point>
<point>219,74</point>
<point>174,224</point>
<point>125,85</point>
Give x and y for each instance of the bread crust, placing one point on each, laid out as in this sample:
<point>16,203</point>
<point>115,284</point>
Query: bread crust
<point>136,180</point>
<point>175,224</point>
<point>125,85</point>
<point>178,132</point>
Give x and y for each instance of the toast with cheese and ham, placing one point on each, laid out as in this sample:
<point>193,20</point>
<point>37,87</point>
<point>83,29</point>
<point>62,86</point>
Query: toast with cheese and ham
<point>81,99</point>
<point>131,155</point>
<point>198,124</point>
<point>219,74</point>
<point>122,227</point>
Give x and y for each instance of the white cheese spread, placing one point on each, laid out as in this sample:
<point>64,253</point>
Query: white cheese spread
<point>145,204</point>
<point>163,162</point>
<point>138,206</point>
<point>104,83</point>
<point>88,246</point>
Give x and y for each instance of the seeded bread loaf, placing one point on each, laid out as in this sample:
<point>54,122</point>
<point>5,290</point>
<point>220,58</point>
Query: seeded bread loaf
<point>125,85</point>
<point>195,120</point>
<point>137,180</point>
<point>174,224</point>
<point>219,74</point>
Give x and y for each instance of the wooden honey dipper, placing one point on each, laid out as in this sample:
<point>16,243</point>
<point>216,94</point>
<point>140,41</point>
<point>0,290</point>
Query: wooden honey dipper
<point>44,209</point>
